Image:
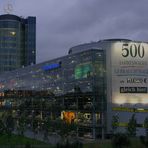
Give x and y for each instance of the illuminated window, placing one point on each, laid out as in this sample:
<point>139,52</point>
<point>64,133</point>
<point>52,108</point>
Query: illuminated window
<point>83,70</point>
<point>13,33</point>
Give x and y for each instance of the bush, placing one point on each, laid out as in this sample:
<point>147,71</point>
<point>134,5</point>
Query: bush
<point>144,140</point>
<point>120,140</point>
<point>72,145</point>
<point>28,145</point>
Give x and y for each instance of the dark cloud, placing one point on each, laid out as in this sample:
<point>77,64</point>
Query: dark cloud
<point>62,24</point>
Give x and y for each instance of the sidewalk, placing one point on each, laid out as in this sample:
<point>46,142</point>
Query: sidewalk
<point>51,138</point>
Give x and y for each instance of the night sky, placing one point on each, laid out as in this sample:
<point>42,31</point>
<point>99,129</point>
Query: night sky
<point>62,24</point>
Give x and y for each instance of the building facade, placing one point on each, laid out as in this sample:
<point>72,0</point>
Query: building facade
<point>17,42</point>
<point>89,86</point>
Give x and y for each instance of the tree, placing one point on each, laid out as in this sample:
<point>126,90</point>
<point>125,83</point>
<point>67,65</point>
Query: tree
<point>9,122</point>
<point>34,127</point>
<point>115,123</point>
<point>131,127</point>
<point>21,125</point>
<point>146,126</point>
<point>144,139</point>
<point>63,129</point>
<point>2,127</point>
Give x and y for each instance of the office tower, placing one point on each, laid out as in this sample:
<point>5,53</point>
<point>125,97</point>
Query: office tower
<point>17,42</point>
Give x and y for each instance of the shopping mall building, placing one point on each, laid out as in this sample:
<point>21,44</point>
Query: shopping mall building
<point>89,86</point>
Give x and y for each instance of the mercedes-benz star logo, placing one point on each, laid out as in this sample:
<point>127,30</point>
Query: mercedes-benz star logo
<point>8,8</point>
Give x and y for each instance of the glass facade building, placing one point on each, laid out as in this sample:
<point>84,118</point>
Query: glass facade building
<point>89,86</point>
<point>17,42</point>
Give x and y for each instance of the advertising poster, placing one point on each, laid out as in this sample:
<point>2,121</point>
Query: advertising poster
<point>129,62</point>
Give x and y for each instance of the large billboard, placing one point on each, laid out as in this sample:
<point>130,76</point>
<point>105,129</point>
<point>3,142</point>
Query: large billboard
<point>129,61</point>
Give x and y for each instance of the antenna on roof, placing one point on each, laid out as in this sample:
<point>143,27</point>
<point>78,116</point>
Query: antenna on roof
<point>8,8</point>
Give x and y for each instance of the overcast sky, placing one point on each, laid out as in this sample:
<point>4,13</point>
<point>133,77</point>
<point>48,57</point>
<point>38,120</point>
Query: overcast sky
<point>62,24</point>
